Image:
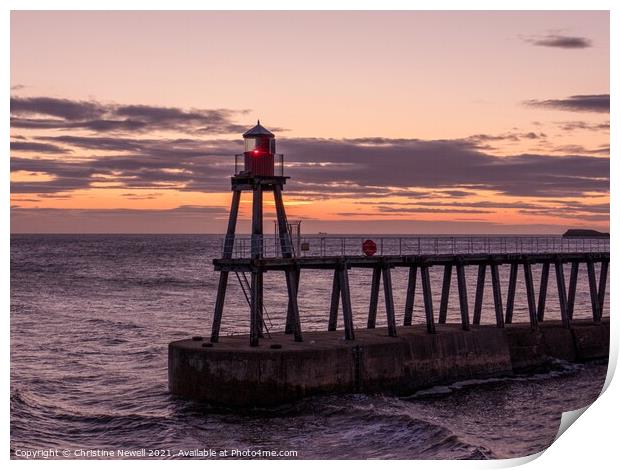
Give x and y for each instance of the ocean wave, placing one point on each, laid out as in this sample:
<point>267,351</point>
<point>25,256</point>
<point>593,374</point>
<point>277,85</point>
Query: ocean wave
<point>114,323</point>
<point>555,368</point>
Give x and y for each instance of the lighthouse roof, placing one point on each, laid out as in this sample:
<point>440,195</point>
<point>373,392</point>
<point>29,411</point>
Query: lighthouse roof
<point>257,130</point>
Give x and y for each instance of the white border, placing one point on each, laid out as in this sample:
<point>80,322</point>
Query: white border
<point>590,443</point>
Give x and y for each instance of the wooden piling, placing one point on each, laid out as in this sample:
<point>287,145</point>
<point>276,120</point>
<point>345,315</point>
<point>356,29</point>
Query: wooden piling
<point>482,268</point>
<point>593,291</point>
<point>559,274</point>
<point>512,287</point>
<point>347,312</point>
<point>291,286</point>
<point>542,293</point>
<point>531,296</point>
<point>463,302</point>
<point>389,300</point>
<point>333,308</point>
<point>602,283</point>
<point>374,296</point>
<point>445,293</point>
<point>255,302</point>
<point>219,307</point>
<point>290,316</point>
<point>572,288</point>
<point>261,304</point>
<point>428,299</point>
<point>497,296</point>
<point>410,295</point>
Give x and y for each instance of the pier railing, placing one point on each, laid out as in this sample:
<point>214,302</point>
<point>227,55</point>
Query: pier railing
<point>271,246</point>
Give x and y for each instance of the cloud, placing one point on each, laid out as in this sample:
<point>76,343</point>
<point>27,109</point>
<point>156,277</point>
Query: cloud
<point>38,147</point>
<point>183,219</point>
<point>580,149</point>
<point>586,103</point>
<point>429,210</point>
<point>572,209</point>
<point>66,176</point>
<point>198,219</point>
<point>561,208</point>
<point>446,164</point>
<point>322,168</point>
<point>559,41</point>
<point>483,141</point>
<point>586,126</point>
<point>456,204</point>
<point>510,136</point>
<point>152,147</point>
<point>57,107</point>
<point>57,113</point>
<point>140,196</point>
<point>371,168</point>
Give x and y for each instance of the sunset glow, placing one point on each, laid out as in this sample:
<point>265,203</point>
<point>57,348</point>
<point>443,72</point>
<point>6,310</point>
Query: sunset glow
<point>390,122</point>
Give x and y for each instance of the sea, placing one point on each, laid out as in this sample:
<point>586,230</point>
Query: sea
<point>92,316</point>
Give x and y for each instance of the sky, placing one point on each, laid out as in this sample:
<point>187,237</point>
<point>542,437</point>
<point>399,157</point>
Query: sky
<point>390,122</point>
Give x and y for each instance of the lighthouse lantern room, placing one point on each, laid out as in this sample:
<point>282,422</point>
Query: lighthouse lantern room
<point>260,148</point>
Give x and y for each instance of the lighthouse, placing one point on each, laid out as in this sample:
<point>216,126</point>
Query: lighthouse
<point>258,174</point>
<point>260,149</point>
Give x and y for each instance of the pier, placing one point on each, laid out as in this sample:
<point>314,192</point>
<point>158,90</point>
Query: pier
<point>235,374</point>
<point>548,253</point>
<point>258,369</point>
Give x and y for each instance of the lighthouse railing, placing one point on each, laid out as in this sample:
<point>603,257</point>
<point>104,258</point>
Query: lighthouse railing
<point>239,163</point>
<point>270,246</point>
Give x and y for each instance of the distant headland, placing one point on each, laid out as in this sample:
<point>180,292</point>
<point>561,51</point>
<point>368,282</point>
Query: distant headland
<point>584,233</point>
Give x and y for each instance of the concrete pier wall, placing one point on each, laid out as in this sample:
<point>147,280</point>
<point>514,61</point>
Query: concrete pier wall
<point>280,370</point>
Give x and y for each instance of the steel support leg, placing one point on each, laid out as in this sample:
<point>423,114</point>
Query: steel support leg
<point>229,243</point>
<point>286,244</point>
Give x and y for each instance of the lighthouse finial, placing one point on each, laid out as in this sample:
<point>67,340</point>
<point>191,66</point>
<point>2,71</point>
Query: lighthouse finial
<point>258,122</point>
